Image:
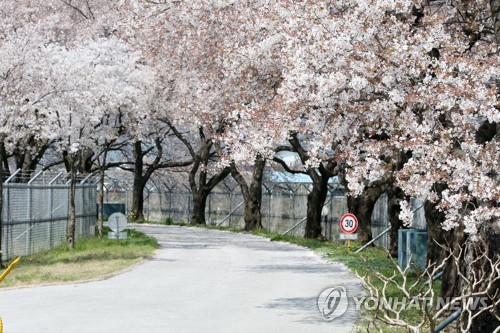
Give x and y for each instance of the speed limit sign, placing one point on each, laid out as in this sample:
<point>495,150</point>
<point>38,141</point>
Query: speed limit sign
<point>349,223</point>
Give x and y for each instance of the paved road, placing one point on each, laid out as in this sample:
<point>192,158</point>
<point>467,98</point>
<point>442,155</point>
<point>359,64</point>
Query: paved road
<point>199,281</point>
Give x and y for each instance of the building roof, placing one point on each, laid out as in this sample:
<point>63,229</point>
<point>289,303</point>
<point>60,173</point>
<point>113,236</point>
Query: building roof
<point>286,177</point>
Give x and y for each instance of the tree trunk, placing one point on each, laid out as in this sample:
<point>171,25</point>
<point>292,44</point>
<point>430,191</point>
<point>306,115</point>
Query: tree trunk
<point>393,211</point>
<point>25,163</point>
<point>252,194</point>
<point>315,201</point>
<point>142,174</point>
<point>100,213</point>
<point>4,161</point>
<point>316,198</point>
<point>487,244</point>
<point>362,207</point>
<point>450,282</point>
<point>488,238</point>
<point>139,183</point>
<point>28,157</point>
<point>85,161</point>
<point>495,13</point>
<point>199,207</point>
<point>72,207</point>
<point>439,241</point>
<point>253,214</point>
<point>435,233</point>
<point>200,190</point>
<point>253,203</point>
<point>138,197</point>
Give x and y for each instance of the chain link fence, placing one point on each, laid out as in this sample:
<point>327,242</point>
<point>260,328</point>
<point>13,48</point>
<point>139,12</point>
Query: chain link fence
<point>35,214</point>
<point>284,205</point>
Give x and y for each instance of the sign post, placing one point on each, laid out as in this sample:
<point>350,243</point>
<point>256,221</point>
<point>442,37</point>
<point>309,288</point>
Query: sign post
<point>349,225</point>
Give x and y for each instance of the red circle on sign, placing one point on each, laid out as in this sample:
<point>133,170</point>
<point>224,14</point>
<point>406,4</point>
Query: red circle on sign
<point>349,223</point>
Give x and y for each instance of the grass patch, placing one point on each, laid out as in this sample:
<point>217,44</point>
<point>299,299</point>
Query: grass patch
<point>91,258</point>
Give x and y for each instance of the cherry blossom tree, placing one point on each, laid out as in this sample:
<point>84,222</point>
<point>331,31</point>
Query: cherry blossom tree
<point>149,156</point>
<point>410,86</point>
<point>27,28</point>
<point>93,81</point>
<point>398,96</point>
<point>249,137</point>
<point>212,79</point>
<point>18,50</point>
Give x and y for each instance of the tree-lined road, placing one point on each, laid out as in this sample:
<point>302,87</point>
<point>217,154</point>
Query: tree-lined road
<point>199,281</point>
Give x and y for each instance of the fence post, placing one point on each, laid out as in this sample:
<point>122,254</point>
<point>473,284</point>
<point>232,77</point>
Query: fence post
<point>127,210</point>
<point>5,253</point>
<point>9,219</point>
<point>51,208</point>
<point>50,217</point>
<point>67,189</point>
<point>210,207</point>
<point>230,206</point>
<point>294,203</point>
<point>149,198</point>
<point>326,226</point>
<point>28,230</point>
<point>190,196</point>
<point>160,193</point>
<point>330,225</point>
<point>169,203</point>
<point>270,213</point>
<point>332,209</point>
<point>83,204</point>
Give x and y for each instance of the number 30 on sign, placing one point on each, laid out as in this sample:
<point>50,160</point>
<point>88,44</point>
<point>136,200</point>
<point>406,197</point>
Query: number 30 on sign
<point>349,223</point>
